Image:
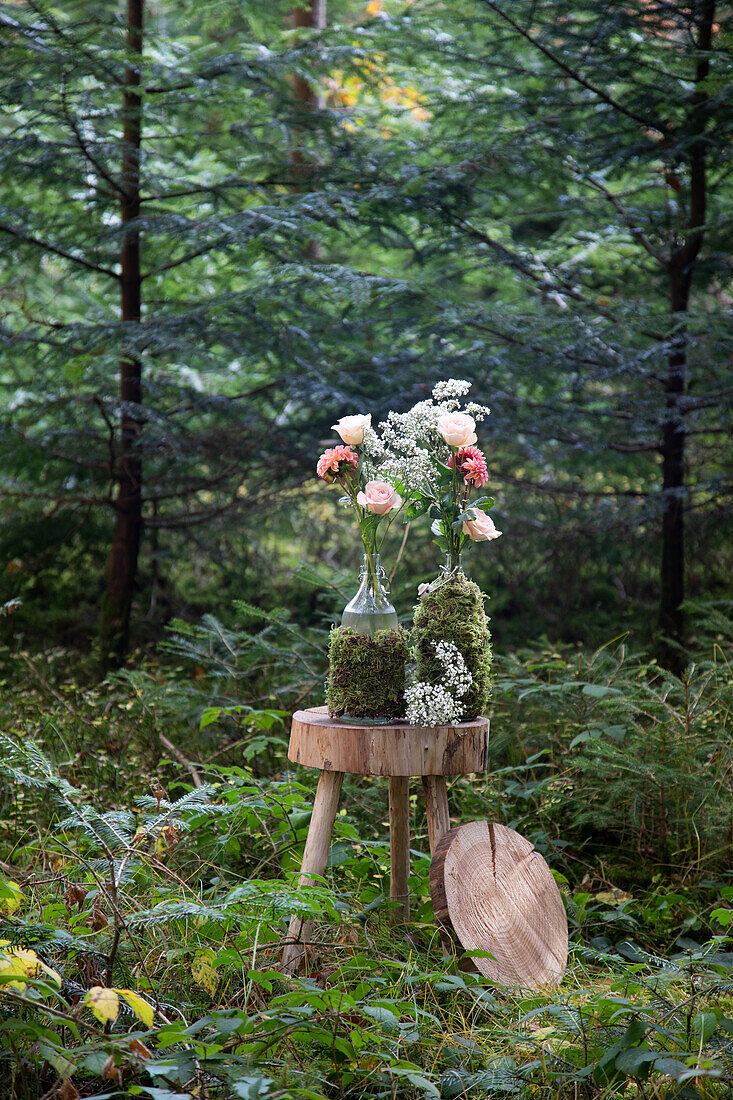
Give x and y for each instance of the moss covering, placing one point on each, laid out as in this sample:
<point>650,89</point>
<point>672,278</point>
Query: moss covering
<point>366,677</point>
<point>454,612</point>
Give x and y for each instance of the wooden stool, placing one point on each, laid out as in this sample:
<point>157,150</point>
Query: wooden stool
<point>397,751</point>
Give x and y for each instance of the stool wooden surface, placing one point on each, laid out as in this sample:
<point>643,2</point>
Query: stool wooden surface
<point>396,751</point>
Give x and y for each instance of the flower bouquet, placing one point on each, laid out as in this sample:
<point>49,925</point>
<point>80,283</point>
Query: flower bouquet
<point>430,453</point>
<point>428,459</point>
<point>368,652</point>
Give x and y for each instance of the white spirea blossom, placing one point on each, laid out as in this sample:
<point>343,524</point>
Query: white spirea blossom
<point>440,704</point>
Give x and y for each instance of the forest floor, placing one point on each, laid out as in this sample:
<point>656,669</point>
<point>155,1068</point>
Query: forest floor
<point>150,837</point>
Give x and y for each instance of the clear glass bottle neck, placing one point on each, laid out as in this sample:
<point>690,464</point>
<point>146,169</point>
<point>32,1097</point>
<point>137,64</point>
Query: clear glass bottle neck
<point>452,564</point>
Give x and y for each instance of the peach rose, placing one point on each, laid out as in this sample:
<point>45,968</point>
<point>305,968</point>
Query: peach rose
<point>379,497</point>
<point>481,529</point>
<point>352,428</point>
<point>457,429</point>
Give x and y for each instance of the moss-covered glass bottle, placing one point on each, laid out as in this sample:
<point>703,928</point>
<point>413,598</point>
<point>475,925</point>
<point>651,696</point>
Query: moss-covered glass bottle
<point>370,610</point>
<point>452,610</point>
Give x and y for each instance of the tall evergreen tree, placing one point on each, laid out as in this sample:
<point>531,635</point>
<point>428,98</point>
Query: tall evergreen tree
<point>573,185</point>
<point>174,346</point>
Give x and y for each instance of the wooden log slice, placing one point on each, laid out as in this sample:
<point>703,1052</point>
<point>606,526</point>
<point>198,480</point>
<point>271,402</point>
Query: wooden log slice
<point>493,892</point>
<point>318,741</point>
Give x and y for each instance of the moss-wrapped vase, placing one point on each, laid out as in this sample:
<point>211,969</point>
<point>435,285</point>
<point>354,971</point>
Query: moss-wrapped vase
<point>366,674</point>
<point>452,610</point>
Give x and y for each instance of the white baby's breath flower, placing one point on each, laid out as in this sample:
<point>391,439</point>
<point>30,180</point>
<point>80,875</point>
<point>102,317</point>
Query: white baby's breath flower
<point>440,704</point>
<point>457,677</point>
<point>478,412</point>
<point>448,392</point>
<point>430,705</point>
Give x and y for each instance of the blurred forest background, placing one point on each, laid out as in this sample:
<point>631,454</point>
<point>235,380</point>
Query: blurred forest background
<point>223,226</point>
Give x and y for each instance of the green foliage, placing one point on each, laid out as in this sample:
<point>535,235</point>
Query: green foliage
<point>454,612</point>
<point>174,899</point>
<point>366,674</point>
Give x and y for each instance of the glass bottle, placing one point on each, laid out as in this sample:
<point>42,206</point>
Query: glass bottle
<point>370,610</point>
<point>452,564</point>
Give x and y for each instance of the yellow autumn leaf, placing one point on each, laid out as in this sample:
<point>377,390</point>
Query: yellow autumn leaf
<point>11,895</point>
<point>203,972</point>
<point>142,1009</point>
<point>374,7</point>
<point>104,1003</point>
<point>23,964</point>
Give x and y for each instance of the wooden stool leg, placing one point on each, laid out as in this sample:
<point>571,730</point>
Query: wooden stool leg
<point>436,804</point>
<point>315,858</point>
<point>399,844</point>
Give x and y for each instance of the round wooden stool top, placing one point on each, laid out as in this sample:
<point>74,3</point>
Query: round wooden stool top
<point>318,741</point>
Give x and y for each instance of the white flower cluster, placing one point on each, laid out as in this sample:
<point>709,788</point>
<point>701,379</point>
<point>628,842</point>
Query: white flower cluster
<point>478,412</point>
<point>431,705</point>
<point>448,393</point>
<point>404,437</point>
<point>440,704</point>
<point>457,677</point>
<point>405,445</point>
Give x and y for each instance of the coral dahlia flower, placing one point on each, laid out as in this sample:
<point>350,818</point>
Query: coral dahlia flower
<point>472,463</point>
<point>337,463</point>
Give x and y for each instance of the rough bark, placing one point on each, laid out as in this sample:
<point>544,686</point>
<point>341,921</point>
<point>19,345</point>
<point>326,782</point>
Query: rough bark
<point>681,268</point>
<point>123,555</point>
<point>313,16</point>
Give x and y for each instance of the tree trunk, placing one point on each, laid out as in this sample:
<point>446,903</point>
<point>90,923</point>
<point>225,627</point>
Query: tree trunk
<point>672,579</point>
<point>123,554</point>
<point>683,257</point>
<point>314,17</point>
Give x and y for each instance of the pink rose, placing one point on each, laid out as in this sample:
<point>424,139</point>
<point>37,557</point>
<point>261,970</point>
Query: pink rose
<point>457,429</point>
<point>352,428</point>
<point>481,529</point>
<point>379,497</point>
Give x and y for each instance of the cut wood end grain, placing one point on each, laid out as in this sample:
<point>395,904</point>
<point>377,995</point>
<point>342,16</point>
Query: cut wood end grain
<point>493,892</point>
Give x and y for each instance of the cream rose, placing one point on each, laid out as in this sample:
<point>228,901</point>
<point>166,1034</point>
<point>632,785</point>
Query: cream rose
<point>352,428</point>
<point>457,429</point>
<point>481,529</point>
<point>379,497</point>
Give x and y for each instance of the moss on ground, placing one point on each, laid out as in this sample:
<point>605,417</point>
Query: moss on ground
<point>366,677</point>
<point>454,612</point>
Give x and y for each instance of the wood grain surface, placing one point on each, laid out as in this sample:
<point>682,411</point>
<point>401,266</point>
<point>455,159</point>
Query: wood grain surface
<point>493,892</point>
<point>315,857</point>
<point>318,741</point>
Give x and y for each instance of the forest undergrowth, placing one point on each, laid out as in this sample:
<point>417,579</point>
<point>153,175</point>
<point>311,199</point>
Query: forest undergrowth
<point>150,832</point>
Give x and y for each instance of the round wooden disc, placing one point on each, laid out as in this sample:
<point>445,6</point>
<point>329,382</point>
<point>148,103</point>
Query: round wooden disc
<point>318,741</point>
<point>493,892</point>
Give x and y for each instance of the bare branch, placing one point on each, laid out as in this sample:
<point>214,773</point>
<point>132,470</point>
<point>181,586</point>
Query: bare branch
<point>604,96</point>
<point>20,235</point>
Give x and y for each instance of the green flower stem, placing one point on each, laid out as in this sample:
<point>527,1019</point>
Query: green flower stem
<point>461,493</point>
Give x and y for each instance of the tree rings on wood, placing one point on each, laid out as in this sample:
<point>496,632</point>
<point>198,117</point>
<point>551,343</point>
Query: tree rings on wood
<point>493,892</point>
<point>333,744</point>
